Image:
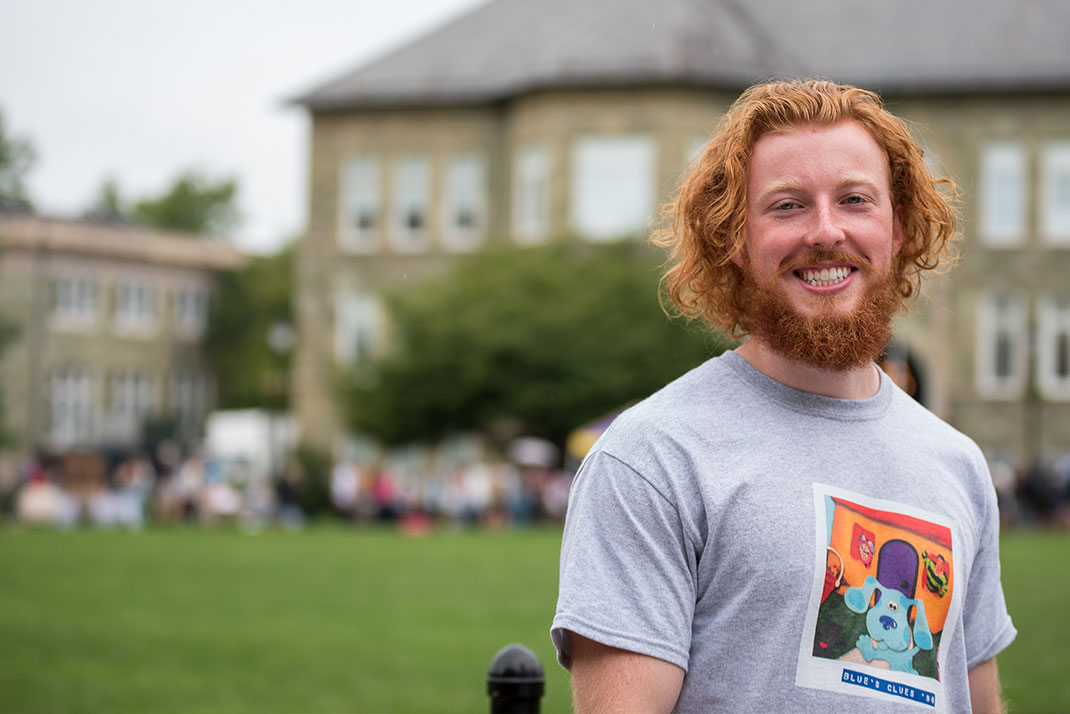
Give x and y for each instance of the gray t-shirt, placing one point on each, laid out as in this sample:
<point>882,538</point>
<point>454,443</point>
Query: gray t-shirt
<point>790,552</point>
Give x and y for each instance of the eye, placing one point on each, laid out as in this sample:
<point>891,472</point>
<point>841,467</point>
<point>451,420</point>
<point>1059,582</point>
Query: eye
<point>894,607</point>
<point>854,200</point>
<point>786,206</point>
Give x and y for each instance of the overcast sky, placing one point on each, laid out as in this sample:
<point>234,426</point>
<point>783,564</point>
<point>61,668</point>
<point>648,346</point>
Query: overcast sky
<point>142,90</point>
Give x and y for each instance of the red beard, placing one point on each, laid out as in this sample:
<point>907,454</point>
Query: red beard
<point>828,339</point>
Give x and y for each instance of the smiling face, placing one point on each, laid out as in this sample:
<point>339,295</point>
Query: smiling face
<point>821,235</point>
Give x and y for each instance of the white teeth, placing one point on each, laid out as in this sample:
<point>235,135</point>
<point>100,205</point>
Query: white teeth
<point>825,276</point>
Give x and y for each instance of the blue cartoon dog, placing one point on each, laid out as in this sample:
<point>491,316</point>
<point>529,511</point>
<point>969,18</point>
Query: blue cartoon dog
<point>889,629</point>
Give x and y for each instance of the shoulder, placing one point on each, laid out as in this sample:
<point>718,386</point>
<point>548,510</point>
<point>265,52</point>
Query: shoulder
<point>929,437</point>
<point>695,403</point>
<point>663,443</point>
<point>920,424</point>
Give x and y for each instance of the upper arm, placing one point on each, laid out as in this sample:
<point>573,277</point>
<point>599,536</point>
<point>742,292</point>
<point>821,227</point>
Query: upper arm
<point>984,688</point>
<point>610,680</point>
<point>629,563</point>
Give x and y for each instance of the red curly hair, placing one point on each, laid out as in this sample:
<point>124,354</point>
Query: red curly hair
<point>707,219</point>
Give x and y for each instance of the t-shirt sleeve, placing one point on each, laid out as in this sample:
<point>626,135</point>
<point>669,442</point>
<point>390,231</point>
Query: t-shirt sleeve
<point>987,626</point>
<point>628,570</point>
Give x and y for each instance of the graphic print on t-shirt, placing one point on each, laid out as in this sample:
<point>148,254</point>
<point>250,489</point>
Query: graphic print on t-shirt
<point>881,600</point>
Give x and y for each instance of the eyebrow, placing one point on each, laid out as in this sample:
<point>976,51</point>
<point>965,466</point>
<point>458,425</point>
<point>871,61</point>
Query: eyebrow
<point>785,185</point>
<point>859,180</point>
<point>792,184</point>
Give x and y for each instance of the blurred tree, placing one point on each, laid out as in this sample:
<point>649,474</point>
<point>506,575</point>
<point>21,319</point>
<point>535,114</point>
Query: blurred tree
<point>250,334</point>
<point>544,339</point>
<point>193,204</point>
<point>309,475</point>
<point>16,158</point>
<point>108,205</point>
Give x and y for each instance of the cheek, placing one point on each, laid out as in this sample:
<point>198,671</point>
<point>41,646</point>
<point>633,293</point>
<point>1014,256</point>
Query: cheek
<point>770,245</point>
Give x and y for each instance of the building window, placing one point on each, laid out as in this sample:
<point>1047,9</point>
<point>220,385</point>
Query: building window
<point>135,307</point>
<point>1001,345</point>
<point>464,202</point>
<point>358,325</point>
<point>1053,347</point>
<point>189,399</point>
<point>531,194</point>
<point>359,204</point>
<point>1056,193</point>
<point>72,406</point>
<point>190,310</point>
<point>131,403</point>
<point>612,186</point>
<point>411,200</point>
<point>75,303</point>
<point>1004,191</point>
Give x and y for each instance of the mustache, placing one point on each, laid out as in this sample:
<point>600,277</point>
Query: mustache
<point>816,257</point>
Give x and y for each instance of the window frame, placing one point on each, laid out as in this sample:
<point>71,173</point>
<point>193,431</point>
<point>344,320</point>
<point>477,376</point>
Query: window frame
<point>188,397</point>
<point>600,192</point>
<point>995,322</point>
<point>1002,162</point>
<point>1055,193</point>
<point>72,407</point>
<point>358,326</point>
<point>136,309</point>
<point>410,186</point>
<point>1053,326</point>
<point>360,187</point>
<point>460,187</point>
<point>76,302</point>
<point>190,305</point>
<point>532,171</point>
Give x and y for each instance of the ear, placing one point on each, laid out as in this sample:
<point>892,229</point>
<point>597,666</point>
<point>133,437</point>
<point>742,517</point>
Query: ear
<point>857,599</point>
<point>738,256</point>
<point>922,637</point>
<point>897,230</point>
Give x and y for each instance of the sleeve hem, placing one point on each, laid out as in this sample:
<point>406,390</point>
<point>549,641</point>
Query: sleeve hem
<point>625,641</point>
<point>999,643</point>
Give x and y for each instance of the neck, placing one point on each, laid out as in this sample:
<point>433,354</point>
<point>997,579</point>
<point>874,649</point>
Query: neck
<point>857,383</point>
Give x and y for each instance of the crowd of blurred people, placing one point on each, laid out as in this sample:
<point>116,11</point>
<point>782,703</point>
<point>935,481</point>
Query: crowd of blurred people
<point>493,493</point>
<point>131,490</point>
<point>1037,494</point>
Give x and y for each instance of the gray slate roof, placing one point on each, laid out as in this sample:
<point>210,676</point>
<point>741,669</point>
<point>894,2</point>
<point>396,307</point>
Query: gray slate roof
<point>509,47</point>
<point>28,231</point>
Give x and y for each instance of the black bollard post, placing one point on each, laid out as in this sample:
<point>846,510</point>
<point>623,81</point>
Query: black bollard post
<point>515,681</point>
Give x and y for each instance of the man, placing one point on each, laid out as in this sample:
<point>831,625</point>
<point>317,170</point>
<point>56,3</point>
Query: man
<point>782,528</point>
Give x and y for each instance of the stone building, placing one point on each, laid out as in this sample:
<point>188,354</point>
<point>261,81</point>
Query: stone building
<point>110,323</point>
<point>523,121</point>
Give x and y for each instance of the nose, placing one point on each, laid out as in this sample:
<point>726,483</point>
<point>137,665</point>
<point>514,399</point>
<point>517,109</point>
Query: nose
<point>888,623</point>
<point>825,231</point>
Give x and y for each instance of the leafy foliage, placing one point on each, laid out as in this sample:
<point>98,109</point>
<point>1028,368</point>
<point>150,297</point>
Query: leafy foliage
<point>247,336</point>
<point>108,205</point>
<point>16,158</point>
<point>193,204</point>
<point>544,338</point>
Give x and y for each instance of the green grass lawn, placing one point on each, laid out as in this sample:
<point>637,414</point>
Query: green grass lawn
<point>335,620</point>
<point>327,620</point>
<point>1036,582</point>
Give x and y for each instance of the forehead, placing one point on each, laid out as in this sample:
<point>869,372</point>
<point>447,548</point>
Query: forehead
<point>813,151</point>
